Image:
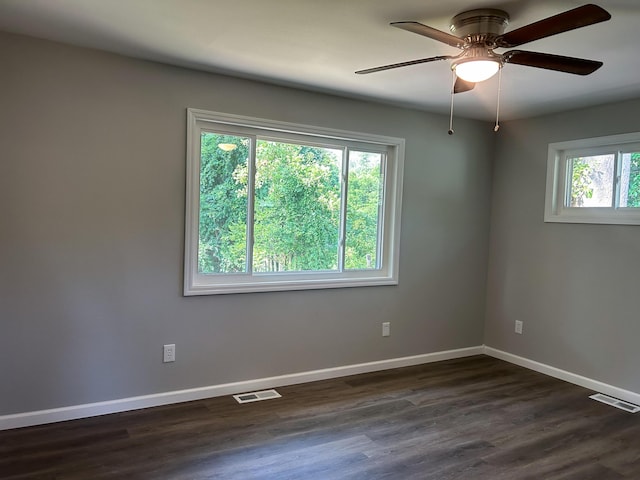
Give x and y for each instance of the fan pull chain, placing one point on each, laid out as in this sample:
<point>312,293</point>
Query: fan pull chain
<point>497,127</point>
<point>453,84</point>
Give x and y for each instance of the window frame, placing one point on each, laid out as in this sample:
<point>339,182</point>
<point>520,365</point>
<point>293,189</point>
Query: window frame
<point>558,190</point>
<point>196,283</point>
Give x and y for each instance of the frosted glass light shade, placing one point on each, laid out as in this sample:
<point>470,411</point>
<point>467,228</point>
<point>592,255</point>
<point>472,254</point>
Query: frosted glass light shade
<point>477,70</point>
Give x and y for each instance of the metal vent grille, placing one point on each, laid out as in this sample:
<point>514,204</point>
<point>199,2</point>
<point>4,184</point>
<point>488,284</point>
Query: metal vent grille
<point>614,402</point>
<point>256,396</point>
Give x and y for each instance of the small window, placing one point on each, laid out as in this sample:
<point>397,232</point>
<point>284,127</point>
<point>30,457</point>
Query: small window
<point>594,180</point>
<point>278,206</point>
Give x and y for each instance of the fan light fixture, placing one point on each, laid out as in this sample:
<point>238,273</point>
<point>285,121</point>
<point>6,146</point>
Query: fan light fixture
<point>476,70</point>
<point>477,64</point>
<point>479,32</point>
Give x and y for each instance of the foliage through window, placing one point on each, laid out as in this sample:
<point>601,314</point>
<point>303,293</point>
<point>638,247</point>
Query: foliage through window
<point>274,206</point>
<point>594,180</point>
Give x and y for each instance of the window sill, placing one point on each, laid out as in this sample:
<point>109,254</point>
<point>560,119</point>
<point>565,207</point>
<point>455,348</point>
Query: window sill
<point>270,285</point>
<point>595,216</point>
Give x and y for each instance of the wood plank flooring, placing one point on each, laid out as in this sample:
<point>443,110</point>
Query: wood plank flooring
<point>474,418</point>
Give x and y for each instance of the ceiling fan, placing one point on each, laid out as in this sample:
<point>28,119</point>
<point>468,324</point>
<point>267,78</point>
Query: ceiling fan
<point>479,32</point>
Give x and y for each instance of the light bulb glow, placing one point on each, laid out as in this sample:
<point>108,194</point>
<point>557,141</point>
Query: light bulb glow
<point>477,70</point>
<point>227,147</point>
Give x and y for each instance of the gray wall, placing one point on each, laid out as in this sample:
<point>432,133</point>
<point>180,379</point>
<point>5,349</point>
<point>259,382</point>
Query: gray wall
<point>92,175</point>
<point>574,286</point>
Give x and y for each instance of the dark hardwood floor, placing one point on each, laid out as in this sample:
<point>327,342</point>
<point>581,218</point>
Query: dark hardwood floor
<point>474,418</point>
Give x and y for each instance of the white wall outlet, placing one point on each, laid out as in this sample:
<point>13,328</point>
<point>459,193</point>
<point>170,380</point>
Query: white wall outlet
<point>169,353</point>
<point>519,327</point>
<point>386,329</point>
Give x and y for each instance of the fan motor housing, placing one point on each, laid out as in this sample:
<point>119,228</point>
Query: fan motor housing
<point>486,22</point>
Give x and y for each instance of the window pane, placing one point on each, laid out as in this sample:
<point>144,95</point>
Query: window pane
<point>297,208</point>
<point>630,180</point>
<point>222,236</point>
<point>591,181</point>
<point>364,201</point>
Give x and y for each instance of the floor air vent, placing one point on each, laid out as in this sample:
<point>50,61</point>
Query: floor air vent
<point>614,402</point>
<point>256,396</point>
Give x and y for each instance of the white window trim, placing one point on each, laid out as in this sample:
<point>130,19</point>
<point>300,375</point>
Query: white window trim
<point>199,284</point>
<point>556,185</point>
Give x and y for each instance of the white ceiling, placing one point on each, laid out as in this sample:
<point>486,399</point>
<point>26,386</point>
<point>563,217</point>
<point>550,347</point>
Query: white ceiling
<point>318,44</point>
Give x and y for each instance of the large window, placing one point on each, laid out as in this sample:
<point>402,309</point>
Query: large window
<point>595,180</point>
<point>278,206</point>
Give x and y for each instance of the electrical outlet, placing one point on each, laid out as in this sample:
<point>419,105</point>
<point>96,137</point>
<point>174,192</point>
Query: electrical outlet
<point>386,329</point>
<point>169,353</point>
<point>519,327</point>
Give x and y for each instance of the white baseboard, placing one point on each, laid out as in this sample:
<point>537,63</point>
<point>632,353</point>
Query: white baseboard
<point>585,382</point>
<point>124,404</point>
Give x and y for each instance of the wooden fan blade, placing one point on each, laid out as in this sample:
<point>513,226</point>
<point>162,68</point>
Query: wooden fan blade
<point>430,32</point>
<point>578,17</point>
<point>462,86</point>
<point>577,66</point>
<point>404,64</point>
